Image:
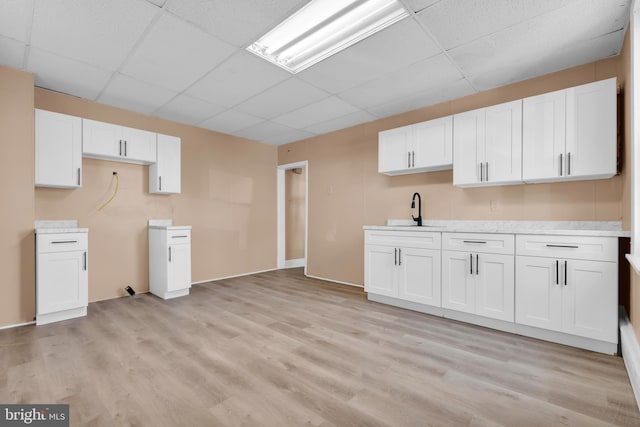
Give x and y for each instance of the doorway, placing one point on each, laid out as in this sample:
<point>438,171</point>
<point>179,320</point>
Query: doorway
<point>293,189</point>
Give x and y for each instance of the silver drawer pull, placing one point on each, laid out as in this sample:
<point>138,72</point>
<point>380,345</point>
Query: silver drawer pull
<point>177,237</point>
<point>64,241</point>
<point>475,241</point>
<point>563,246</point>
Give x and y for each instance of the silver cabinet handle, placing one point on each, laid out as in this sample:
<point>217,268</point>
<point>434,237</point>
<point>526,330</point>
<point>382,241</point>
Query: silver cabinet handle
<point>120,153</point>
<point>557,272</point>
<point>399,256</point>
<point>125,148</point>
<point>470,263</point>
<point>565,272</point>
<point>562,246</point>
<point>78,176</point>
<point>477,263</point>
<point>413,159</point>
<point>486,172</point>
<point>395,256</point>
<point>568,164</point>
<point>408,159</point>
<point>169,253</point>
<point>475,241</point>
<point>85,261</point>
<point>560,164</point>
<point>160,183</point>
<point>55,242</point>
<point>481,172</point>
<point>180,237</point>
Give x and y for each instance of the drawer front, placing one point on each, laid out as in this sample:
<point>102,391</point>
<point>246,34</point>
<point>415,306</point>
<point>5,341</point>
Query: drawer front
<point>405,239</point>
<point>479,242</point>
<point>177,237</point>
<point>61,242</point>
<point>572,247</point>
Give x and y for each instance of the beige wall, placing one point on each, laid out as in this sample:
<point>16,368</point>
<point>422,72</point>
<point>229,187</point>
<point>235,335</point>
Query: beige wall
<point>17,263</point>
<point>294,192</point>
<point>228,197</point>
<point>346,191</point>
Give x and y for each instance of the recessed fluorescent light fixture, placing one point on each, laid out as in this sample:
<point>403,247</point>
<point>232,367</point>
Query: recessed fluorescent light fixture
<point>325,27</point>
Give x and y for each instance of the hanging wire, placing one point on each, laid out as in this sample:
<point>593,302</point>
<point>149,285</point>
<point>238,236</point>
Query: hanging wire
<point>114,193</point>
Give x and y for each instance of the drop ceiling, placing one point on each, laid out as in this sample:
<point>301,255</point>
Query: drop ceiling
<point>185,60</point>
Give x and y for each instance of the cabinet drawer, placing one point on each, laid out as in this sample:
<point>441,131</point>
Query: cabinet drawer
<point>177,237</point>
<point>406,239</point>
<point>575,247</point>
<point>478,242</point>
<point>61,242</point>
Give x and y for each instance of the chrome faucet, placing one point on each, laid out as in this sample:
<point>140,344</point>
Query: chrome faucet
<point>413,205</point>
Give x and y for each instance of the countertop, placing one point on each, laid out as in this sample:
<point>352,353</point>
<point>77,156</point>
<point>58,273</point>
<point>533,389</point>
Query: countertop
<point>58,226</point>
<point>572,228</point>
<point>166,224</point>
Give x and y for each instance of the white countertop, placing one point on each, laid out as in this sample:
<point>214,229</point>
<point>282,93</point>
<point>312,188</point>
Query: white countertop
<point>166,224</point>
<point>573,228</point>
<point>58,226</point>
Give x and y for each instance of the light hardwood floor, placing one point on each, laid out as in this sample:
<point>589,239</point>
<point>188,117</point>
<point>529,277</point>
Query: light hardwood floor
<point>278,349</point>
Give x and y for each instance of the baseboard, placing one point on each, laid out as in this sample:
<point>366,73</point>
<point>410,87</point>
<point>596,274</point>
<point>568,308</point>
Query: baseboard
<point>294,263</point>
<point>422,308</point>
<point>17,325</point>
<point>334,281</point>
<point>630,353</point>
<point>234,276</point>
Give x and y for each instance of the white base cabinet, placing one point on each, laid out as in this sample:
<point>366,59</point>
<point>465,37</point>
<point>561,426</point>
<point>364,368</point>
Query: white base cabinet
<point>61,276</point>
<point>58,150</point>
<point>169,261</point>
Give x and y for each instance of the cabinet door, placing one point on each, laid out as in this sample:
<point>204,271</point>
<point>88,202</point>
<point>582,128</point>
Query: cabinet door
<point>543,136</point>
<point>58,150</point>
<point>419,279</point>
<point>392,150</point>
<point>468,143</point>
<point>101,139</point>
<point>495,286</point>
<point>139,145</point>
<point>591,130</point>
<point>380,270</point>
<point>503,143</point>
<point>179,267</point>
<point>164,175</point>
<point>590,300</point>
<point>432,144</point>
<point>458,281</point>
<point>539,292</point>
<point>61,281</point>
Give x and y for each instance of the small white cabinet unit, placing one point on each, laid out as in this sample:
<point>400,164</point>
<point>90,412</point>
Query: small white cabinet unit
<point>403,265</point>
<point>58,150</point>
<point>164,174</point>
<point>421,147</point>
<point>61,275</point>
<point>107,141</point>
<point>488,146</point>
<point>169,260</point>
<point>568,284</point>
<point>478,274</point>
<point>570,134</point>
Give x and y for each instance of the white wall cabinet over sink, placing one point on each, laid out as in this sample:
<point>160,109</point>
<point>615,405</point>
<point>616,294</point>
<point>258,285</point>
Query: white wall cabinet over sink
<point>107,141</point>
<point>478,274</point>
<point>487,146</point>
<point>58,150</point>
<point>570,134</point>
<point>169,260</point>
<point>164,174</point>
<point>403,265</point>
<point>420,147</point>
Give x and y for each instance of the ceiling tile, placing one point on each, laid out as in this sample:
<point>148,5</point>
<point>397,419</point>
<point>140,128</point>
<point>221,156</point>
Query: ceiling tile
<point>158,3</point>
<point>422,99</point>
<point>15,19</point>
<point>237,79</point>
<point>66,75</point>
<point>174,54</point>
<point>341,122</point>
<point>273,133</point>
<point>282,98</point>
<point>96,32</point>
<point>327,109</point>
<point>418,5</point>
<point>393,48</point>
<point>11,52</point>
<point>456,22</point>
<point>423,76</point>
<point>131,94</point>
<point>230,121</point>
<point>237,22</point>
<point>185,109</point>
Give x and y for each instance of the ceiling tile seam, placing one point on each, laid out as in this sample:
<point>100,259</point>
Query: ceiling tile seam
<point>135,47</point>
<point>27,47</point>
<point>625,29</point>
<point>444,51</point>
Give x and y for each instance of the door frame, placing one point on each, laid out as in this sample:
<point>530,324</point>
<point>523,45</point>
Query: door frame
<point>281,224</point>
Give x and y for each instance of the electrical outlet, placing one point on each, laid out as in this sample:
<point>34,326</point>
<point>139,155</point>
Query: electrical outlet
<point>493,205</point>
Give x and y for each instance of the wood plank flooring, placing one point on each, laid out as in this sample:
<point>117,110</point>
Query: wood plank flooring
<point>278,349</point>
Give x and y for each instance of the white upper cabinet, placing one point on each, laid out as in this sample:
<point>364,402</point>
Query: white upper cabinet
<point>58,150</point>
<point>488,146</point>
<point>164,175</point>
<point>422,147</point>
<point>571,134</point>
<point>107,141</point>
